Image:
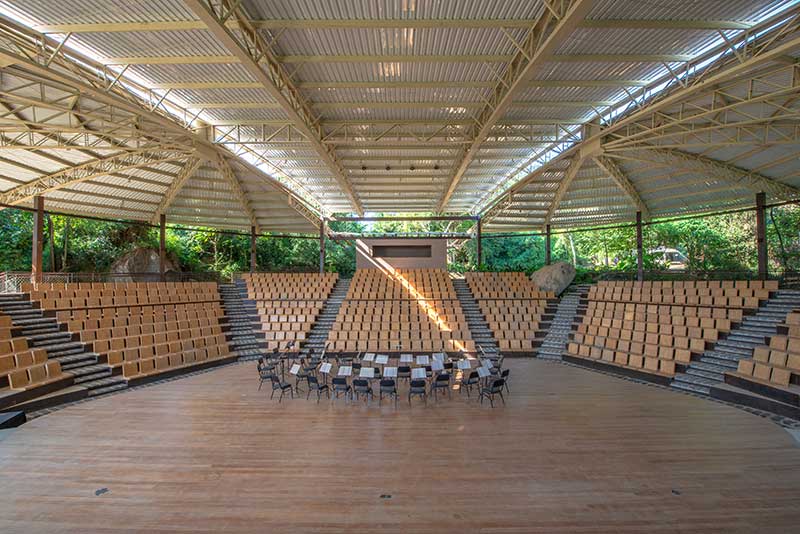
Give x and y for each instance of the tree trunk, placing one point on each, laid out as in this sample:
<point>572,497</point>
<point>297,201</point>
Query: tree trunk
<point>51,243</point>
<point>572,247</point>
<point>64,246</point>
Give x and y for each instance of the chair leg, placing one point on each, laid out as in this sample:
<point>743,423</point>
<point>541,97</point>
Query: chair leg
<point>260,383</point>
<point>281,397</point>
<point>309,394</point>
<point>502,398</point>
<point>491,400</point>
<point>272,395</point>
<point>507,390</point>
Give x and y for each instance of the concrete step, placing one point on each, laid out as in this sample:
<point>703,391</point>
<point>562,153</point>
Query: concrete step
<point>90,377</point>
<point>694,388</point>
<point>73,361</point>
<point>103,386</point>
<point>704,373</point>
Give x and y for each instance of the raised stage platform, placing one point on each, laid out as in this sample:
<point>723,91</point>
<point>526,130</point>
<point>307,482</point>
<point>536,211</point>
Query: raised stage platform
<point>571,451</point>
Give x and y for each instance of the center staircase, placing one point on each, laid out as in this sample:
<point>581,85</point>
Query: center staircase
<point>245,336</point>
<point>724,356</point>
<point>318,337</point>
<point>75,357</point>
<point>557,337</point>
<point>481,334</point>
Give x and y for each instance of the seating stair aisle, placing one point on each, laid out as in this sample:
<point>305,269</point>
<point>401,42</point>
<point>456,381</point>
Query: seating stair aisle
<point>245,336</point>
<point>75,358</point>
<point>754,330</point>
<point>318,337</point>
<point>481,333</point>
<point>563,323</point>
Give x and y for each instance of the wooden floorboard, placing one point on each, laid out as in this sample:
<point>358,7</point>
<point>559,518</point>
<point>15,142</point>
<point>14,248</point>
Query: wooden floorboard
<point>572,451</point>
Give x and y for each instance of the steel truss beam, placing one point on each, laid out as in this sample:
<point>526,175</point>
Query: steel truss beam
<point>257,58</point>
<point>386,23</point>
<point>734,112</point>
<point>38,57</point>
<point>189,168</point>
<point>569,175</point>
<point>719,170</point>
<point>236,188</point>
<point>90,170</point>
<point>543,39</point>
<point>772,40</point>
<point>616,173</point>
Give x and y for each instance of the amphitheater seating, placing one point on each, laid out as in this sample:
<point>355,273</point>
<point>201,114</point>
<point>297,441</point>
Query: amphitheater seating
<point>128,323</point>
<point>776,364</point>
<point>288,303</point>
<point>23,367</point>
<point>513,307</point>
<point>654,326</point>
<point>401,311</point>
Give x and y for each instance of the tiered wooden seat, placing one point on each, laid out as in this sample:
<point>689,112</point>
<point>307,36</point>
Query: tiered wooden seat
<point>288,303</point>
<point>106,295</point>
<point>24,368</point>
<point>153,359</point>
<point>776,364</point>
<point>133,322</point>
<point>654,326</point>
<point>513,307</point>
<point>401,311</point>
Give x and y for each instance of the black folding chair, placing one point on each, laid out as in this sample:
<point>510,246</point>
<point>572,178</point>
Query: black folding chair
<point>418,388</point>
<point>282,386</point>
<point>404,372</point>
<point>504,375</point>
<point>495,388</point>
<point>467,381</point>
<point>341,387</point>
<point>442,381</point>
<point>264,375</point>
<point>361,387</point>
<point>389,388</point>
<point>314,385</point>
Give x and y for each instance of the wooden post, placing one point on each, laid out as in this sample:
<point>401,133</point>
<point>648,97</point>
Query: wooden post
<point>761,236</point>
<point>38,239</point>
<point>322,246</point>
<point>162,248</point>
<point>253,260</point>
<point>547,245</point>
<point>479,249</point>
<point>639,248</point>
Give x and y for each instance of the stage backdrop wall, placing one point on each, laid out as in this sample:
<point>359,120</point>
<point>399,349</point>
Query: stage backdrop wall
<point>401,253</point>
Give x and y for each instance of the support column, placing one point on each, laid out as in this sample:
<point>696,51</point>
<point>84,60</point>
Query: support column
<point>162,248</point>
<point>547,245</point>
<point>322,246</point>
<point>478,248</point>
<point>639,248</point>
<point>38,240</point>
<point>253,260</point>
<point>761,236</point>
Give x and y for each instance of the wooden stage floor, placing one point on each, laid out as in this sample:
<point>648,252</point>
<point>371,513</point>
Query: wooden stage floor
<point>572,451</point>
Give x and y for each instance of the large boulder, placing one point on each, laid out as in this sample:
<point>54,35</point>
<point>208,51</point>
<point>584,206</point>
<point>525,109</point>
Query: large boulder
<point>140,265</point>
<point>555,277</point>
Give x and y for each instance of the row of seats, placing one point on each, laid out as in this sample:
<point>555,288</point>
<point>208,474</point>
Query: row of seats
<point>777,363</point>
<point>156,313</point>
<point>92,329</point>
<point>649,364</point>
<point>294,286</point>
<point>771,285</point>
<point>183,357</point>
<point>105,345</point>
<point>401,310</point>
<point>504,286</point>
<point>288,304</point>
<point>513,306</point>
<point>626,323</point>
<point>36,376</point>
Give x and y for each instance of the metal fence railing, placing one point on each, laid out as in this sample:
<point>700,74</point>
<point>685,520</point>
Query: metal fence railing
<point>11,282</point>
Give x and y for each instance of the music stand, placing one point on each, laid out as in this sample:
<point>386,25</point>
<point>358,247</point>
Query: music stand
<point>381,359</point>
<point>295,369</point>
<point>464,365</point>
<point>367,372</point>
<point>324,369</point>
<point>437,366</point>
<point>390,372</point>
<point>368,357</point>
<point>406,358</point>
<point>423,360</point>
<point>345,370</point>
<point>419,372</point>
<point>439,356</point>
